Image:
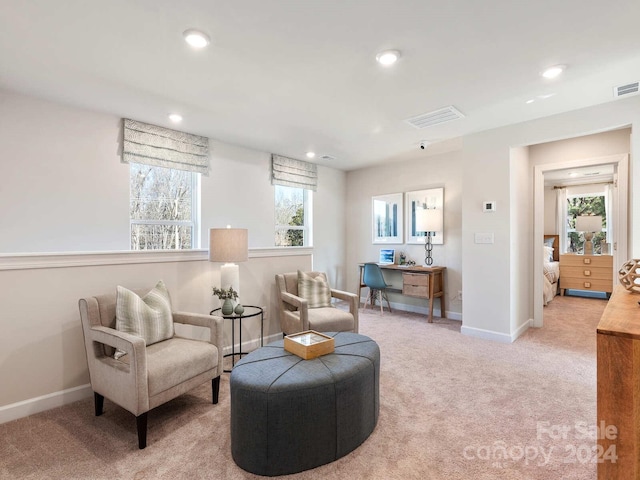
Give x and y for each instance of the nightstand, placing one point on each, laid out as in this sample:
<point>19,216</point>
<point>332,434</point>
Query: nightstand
<point>586,272</point>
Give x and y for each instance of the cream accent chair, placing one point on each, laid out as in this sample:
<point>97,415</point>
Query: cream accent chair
<point>147,376</point>
<point>296,316</point>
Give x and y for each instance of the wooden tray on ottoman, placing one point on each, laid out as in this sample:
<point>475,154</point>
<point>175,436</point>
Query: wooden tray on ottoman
<point>309,344</point>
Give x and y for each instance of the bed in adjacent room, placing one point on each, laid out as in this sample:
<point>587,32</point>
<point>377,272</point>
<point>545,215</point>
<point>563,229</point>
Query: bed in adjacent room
<point>551,267</point>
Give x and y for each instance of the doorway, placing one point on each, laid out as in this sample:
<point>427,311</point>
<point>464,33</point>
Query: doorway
<point>620,165</point>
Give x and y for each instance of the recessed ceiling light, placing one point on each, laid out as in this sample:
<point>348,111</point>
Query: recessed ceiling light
<point>553,72</point>
<point>311,154</point>
<point>388,57</point>
<point>175,118</point>
<point>545,96</point>
<point>531,100</point>
<point>196,38</point>
<point>573,174</point>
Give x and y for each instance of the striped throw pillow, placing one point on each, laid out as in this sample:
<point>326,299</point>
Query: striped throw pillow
<point>148,317</point>
<point>315,290</point>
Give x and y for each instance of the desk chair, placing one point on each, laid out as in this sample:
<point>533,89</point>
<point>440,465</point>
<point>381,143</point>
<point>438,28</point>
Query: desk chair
<point>373,279</point>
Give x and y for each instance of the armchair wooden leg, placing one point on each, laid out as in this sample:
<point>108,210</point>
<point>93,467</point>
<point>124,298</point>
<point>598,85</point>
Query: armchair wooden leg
<point>98,400</point>
<point>141,422</point>
<point>215,389</point>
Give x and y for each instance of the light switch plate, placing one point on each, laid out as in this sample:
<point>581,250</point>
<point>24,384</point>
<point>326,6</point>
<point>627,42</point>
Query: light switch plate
<point>483,237</point>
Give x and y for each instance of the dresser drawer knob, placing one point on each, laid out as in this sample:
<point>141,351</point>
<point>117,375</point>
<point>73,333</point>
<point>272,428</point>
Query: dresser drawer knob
<point>587,261</point>
<point>587,284</point>
<point>587,273</point>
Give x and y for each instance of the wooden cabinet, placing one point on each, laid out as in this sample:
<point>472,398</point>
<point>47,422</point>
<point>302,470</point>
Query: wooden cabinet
<point>415,285</point>
<point>586,272</point>
<point>618,341</point>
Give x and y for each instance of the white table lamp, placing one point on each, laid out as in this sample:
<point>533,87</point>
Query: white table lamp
<point>588,225</point>
<point>229,245</point>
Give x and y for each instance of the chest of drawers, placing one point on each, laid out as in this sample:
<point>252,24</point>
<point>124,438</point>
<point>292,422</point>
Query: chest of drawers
<point>586,272</point>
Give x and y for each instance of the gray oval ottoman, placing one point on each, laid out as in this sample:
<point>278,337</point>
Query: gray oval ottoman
<point>290,414</point>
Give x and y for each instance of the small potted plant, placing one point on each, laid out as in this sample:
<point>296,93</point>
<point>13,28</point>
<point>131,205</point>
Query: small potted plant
<point>227,296</point>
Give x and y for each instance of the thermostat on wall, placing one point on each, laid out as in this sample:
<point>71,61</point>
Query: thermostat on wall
<point>488,206</point>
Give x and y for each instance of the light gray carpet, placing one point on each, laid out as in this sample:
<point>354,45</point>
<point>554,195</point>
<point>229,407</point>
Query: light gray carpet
<point>447,402</point>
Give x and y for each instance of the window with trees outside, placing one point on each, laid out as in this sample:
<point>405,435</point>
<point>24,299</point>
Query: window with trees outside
<point>585,205</point>
<point>162,208</point>
<point>293,220</point>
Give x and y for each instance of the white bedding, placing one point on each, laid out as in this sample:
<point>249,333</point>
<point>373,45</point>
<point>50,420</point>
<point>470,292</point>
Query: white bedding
<point>551,276</point>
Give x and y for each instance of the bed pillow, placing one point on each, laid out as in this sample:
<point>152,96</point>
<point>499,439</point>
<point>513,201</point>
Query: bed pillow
<point>548,254</point>
<point>315,291</point>
<point>549,241</point>
<point>148,317</point>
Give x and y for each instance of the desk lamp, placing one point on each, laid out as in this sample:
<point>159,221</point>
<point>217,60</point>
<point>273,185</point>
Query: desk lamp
<point>429,221</point>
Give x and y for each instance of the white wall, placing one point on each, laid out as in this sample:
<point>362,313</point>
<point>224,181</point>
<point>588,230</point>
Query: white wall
<point>430,171</point>
<point>41,348</point>
<point>550,226</point>
<point>521,205</point>
<point>486,163</point>
<point>64,189</point>
<point>578,148</point>
<point>63,186</point>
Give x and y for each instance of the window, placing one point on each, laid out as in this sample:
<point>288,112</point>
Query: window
<point>293,220</point>
<point>163,208</point>
<point>585,204</point>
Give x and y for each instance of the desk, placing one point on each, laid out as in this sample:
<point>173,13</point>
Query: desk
<point>249,312</point>
<point>420,282</point>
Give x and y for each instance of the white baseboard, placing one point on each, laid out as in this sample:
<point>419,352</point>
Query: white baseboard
<point>418,309</point>
<point>31,406</point>
<point>523,328</point>
<point>496,336</point>
<point>486,334</point>
<point>253,344</point>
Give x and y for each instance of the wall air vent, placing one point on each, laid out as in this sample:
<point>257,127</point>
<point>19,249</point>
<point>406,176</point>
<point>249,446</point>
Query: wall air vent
<point>443,115</point>
<point>625,90</point>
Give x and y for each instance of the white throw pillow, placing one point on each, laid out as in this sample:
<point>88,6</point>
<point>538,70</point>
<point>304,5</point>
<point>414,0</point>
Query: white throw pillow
<point>315,290</point>
<point>548,254</point>
<point>148,317</point>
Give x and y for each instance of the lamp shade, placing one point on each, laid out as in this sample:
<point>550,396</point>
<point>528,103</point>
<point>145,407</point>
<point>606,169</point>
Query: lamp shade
<point>228,245</point>
<point>429,220</point>
<point>589,223</point>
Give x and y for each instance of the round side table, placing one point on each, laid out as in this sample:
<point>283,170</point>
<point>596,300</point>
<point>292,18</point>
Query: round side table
<point>250,311</point>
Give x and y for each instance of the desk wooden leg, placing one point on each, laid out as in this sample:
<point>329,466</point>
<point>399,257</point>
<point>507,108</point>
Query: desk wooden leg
<point>431,282</point>
<point>443,312</point>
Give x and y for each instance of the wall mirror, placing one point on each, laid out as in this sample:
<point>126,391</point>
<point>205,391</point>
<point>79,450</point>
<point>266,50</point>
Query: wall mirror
<point>432,198</point>
<point>387,215</point>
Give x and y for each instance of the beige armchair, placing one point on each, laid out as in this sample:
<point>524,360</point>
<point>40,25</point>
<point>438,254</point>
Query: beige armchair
<point>146,376</point>
<point>296,316</point>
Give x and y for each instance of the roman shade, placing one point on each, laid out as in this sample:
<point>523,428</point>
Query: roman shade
<point>290,172</point>
<point>163,147</point>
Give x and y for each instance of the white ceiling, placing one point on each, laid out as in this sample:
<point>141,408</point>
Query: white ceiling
<point>579,176</point>
<point>288,76</point>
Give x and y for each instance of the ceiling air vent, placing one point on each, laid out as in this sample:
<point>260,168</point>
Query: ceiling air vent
<point>327,157</point>
<point>624,90</point>
<point>436,117</point>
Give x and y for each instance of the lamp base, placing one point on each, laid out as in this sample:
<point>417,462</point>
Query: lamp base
<point>428,247</point>
<point>587,249</point>
<point>230,276</point>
